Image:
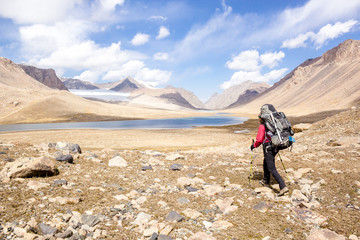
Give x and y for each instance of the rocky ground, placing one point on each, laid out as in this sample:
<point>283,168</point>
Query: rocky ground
<point>199,193</point>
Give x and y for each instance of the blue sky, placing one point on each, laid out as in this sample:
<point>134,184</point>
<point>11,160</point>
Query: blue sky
<point>204,46</point>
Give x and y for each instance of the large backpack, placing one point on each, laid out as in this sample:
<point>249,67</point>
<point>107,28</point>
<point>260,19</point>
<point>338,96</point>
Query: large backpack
<point>279,126</point>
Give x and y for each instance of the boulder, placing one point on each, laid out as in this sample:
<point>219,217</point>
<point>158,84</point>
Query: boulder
<point>29,167</point>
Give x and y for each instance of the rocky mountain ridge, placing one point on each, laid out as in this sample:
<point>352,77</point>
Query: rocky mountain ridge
<point>45,76</point>
<point>71,83</point>
<point>329,82</point>
<point>236,95</point>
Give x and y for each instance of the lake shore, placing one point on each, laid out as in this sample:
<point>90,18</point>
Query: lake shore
<point>164,139</point>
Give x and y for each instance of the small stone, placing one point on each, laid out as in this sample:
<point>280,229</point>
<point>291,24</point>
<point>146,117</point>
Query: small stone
<point>221,225</point>
<point>353,237</point>
<point>297,196</point>
<point>193,214</point>
<point>262,206</point>
<point>47,230</point>
<point>154,236</point>
<point>266,238</point>
<point>176,167</point>
<point>164,237</point>
<point>324,234</point>
<point>174,217</point>
<point>59,183</point>
<point>191,189</point>
<point>334,171</point>
<point>20,232</point>
<point>212,190</point>
<point>183,200</point>
<point>174,157</point>
<point>35,185</point>
<point>142,219</point>
<point>66,234</point>
<point>65,158</point>
<point>288,230</point>
<point>145,168</point>
<point>201,236</point>
<point>117,162</point>
<point>90,220</point>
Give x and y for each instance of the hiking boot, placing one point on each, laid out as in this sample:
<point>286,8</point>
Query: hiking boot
<point>263,182</point>
<point>283,191</point>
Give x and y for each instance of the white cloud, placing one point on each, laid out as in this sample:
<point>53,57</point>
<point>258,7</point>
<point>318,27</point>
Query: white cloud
<point>255,76</point>
<point>161,56</point>
<point>36,11</point>
<point>251,60</point>
<point>297,42</point>
<point>162,18</point>
<point>90,76</point>
<point>52,37</point>
<point>251,63</point>
<point>163,33</point>
<point>327,32</point>
<point>103,10</point>
<point>271,60</point>
<point>88,55</point>
<point>128,69</point>
<point>333,31</point>
<point>246,60</point>
<point>140,39</point>
<point>153,77</point>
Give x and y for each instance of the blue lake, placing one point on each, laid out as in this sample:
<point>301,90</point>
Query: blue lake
<point>173,123</point>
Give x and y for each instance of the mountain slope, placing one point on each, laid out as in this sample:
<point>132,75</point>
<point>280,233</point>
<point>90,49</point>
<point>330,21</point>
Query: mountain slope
<point>325,83</point>
<point>190,97</point>
<point>128,84</point>
<point>45,76</point>
<point>236,95</point>
<point>71,83</point>
<point>25,100</point>
<point>159,98</point>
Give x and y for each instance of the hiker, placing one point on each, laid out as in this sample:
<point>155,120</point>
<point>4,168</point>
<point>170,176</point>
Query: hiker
<point>263,137</point>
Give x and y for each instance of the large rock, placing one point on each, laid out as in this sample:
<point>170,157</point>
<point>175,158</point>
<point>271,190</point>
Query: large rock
<point>324,234</point>
<point>29,167</point>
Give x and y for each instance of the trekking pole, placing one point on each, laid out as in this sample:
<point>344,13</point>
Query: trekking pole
<point>284,167</point>
<point>251,163</point>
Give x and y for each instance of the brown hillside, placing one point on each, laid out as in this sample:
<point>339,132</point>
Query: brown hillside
<point>25,100</point>
<point>330,82</point>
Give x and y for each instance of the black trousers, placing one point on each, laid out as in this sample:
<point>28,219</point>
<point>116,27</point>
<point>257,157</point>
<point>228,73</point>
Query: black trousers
<point>269,165</point>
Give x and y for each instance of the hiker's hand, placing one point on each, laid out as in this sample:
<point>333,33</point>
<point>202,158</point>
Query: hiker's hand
<point>252,147</point>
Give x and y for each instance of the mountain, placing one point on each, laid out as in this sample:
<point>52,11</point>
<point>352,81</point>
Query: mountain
<point>236,95</point>
<point>45,76</point>
<point>124,85</point>
<point>329,82</point>
<point>71,83</point>
<point>190,97</point>
<point>26,100</point>
<point>167,98</point>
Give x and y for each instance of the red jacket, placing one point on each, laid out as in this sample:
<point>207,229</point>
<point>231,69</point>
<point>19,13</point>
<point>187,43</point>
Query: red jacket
<point>260,137</point>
